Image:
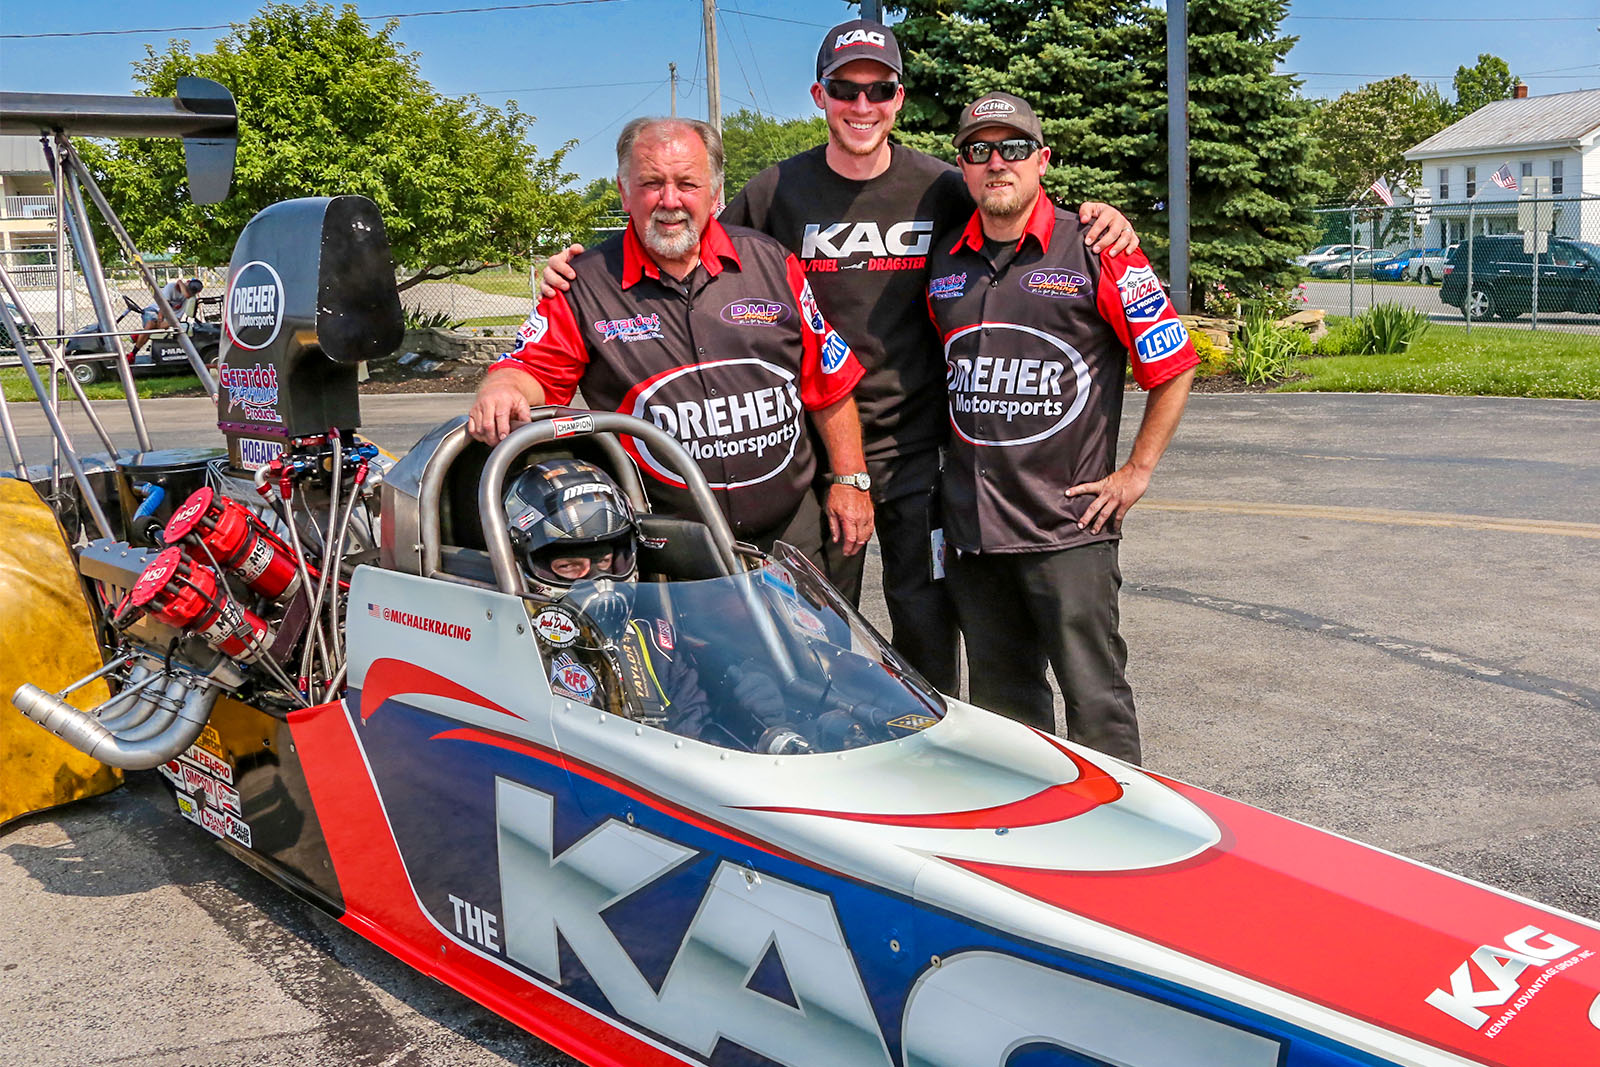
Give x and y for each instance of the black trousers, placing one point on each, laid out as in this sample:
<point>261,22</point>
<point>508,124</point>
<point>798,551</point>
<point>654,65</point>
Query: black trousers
<point>922,618</point>
<point>1022,610</point>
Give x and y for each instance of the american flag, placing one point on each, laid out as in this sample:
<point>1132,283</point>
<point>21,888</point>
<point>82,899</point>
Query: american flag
<point>375,611</point>
<point>1380,189</point>
<point>1504,178</point>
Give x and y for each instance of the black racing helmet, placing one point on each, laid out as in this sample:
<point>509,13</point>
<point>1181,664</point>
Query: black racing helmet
<point>563,508</point>
<point>194,286</point>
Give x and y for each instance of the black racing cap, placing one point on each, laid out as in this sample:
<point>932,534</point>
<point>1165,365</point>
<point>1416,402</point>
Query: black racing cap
<point>999,109</point>
<point>858,39</point>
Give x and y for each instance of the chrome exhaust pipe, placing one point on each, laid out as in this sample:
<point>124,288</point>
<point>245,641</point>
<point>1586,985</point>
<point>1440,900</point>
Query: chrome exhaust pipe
<point>178,713</point>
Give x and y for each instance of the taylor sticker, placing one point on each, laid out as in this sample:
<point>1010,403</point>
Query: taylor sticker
<point>555,627</point>
<point>255,306</point>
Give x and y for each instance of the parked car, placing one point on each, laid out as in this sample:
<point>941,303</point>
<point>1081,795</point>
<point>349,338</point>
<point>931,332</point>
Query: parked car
<point>162,355</point>
<point>1409,264</point>
<point>1362,264</point>
<point>1323,253</point>
<point>1428,268</point>
<point>1502,277</point>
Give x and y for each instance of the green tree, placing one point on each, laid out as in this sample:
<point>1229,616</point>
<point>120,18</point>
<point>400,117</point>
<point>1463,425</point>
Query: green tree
<point>328,106</point>
<point>1095,71</point>
<point>1484,82</point>
<point>1364,134</point>
<point>753,141</point>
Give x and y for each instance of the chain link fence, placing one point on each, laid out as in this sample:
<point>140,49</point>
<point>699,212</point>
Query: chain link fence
<point>1464,262</point>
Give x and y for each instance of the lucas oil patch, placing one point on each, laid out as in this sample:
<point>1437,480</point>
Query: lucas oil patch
<point>1142,297</point>
<point>555,627</point>
<point>569,677</point>
<point>808,308</point>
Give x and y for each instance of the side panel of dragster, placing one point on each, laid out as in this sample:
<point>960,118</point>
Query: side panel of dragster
<point>482,830</point>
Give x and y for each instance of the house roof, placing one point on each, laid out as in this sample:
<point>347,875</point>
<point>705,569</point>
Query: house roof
<point>1570,119</point>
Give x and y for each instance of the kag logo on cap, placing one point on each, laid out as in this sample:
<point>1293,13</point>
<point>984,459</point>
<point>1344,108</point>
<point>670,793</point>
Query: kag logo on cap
<point>858,39</point>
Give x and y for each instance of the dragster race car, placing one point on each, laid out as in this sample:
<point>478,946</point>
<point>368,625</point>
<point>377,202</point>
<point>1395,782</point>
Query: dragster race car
<point>340,668</point>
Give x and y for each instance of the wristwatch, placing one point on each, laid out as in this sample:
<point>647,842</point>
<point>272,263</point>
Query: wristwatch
<point>862,481</point>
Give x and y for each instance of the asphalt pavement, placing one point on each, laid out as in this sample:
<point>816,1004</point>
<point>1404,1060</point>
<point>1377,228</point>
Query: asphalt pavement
<point>1339,298</point>
<point>1376,614</point>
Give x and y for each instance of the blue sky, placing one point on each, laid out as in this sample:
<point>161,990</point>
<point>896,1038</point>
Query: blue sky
<point>586,68</point>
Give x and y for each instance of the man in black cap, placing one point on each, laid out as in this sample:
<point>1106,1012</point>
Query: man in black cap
<point>862,215</point>
<point>1038,332</point>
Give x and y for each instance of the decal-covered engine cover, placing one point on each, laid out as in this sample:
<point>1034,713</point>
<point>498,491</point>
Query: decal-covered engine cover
<point>310,295</point>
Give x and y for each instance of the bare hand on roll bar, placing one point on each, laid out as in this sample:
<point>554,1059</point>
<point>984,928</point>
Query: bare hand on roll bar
<point>504,402</point>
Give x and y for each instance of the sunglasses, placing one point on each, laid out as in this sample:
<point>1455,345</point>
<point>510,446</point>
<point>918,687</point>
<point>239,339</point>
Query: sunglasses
<point>1012,150</point>
<point>843,89</point>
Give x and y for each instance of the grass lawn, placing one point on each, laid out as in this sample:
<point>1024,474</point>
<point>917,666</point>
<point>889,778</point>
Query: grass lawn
<point>500,283</point>
<point>16,386</point>
<point>1492,362</point>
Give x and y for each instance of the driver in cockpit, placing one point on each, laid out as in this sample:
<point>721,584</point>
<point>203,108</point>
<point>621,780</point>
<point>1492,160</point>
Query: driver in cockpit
<point>576,537</point>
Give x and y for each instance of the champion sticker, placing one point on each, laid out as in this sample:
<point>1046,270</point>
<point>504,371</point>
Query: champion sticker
<point>913,722</point>
<point>555,627</point>
<point>172,771</point>
<point>1159,342</point>
<point>573,424</point>
<point>834,352</point>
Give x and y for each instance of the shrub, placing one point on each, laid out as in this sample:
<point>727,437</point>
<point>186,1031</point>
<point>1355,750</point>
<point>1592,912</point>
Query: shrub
<point>1213,360</point>
<point>417,319</point>
<point>1388,328</point>
<point>1340,340</point>
<point>1263,351</point>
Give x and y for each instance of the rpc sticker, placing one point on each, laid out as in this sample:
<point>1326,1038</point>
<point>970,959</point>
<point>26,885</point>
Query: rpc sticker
<point>555,627</point>
<point>569,675</point>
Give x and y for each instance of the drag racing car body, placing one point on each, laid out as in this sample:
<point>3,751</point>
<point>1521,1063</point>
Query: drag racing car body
<point>338,665</point>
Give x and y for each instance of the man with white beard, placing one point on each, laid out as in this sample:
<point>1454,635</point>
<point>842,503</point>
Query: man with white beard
<point>709,332</point>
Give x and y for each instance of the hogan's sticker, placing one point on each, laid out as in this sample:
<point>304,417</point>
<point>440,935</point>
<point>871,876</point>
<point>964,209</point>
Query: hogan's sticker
<point>255,453</point>
<point>555,627</point>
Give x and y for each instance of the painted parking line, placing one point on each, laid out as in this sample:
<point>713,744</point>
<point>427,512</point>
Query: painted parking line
<point>1381,516</point>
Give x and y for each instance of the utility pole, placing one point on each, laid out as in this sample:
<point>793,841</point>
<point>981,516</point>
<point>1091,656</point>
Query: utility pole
<point>872,9</point>
<point>1178,149</point>
<point>672,72</point>
<point>713,78</point>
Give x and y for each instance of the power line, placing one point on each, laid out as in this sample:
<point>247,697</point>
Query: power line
<point>626,112</point>
<point>549,88</point>
<point>364,18</point>
<point>777,18</point>
<point>1409,18</point>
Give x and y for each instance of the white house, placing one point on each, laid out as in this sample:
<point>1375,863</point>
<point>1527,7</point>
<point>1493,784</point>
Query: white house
<point>1553,137</point>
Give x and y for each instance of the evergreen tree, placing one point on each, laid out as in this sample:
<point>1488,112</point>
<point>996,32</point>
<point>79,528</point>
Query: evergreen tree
<point>1095,71</point>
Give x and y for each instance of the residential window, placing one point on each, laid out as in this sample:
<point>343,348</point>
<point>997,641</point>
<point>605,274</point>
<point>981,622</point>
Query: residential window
<point>1444,183</point>
<point>1527,168</point>
<point>1556,176</point>
<point>1472,182</point>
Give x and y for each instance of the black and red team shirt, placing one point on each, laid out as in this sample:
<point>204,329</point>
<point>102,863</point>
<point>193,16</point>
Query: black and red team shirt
<point>727,361</point>
<point>1036,345</point>
<point>864,246</point>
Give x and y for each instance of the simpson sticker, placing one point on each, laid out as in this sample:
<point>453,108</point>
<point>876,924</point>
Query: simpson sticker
<point>755,313</point>
<point>1008,400</point>
<point>1159,342</point>
<point>834,352</point>
<point>574,424</point>
<point>808,308</point>
<point>1142,297</point>
<point>913,722</point>
<point>947,288</point>
<point>573,677</point>
<point>255,306</point>
<point>533,331</point>
<point>555,627</point>
<point>1056,284</point>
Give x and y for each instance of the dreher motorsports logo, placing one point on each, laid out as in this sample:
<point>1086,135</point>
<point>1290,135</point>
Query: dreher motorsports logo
<point>255,305</point>
<point>755,313</point>
<point>743,431</point>
<point>986,108</point>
